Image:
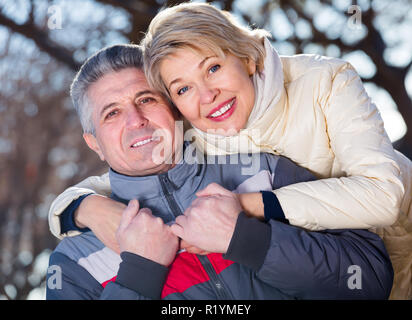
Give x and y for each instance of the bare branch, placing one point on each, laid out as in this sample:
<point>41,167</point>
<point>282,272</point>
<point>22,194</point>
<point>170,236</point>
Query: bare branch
<point>42,40</point>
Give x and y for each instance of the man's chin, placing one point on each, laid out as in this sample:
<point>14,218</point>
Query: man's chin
<point>146,169</point>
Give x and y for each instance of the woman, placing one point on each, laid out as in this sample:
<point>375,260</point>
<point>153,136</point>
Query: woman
<point>229,83</point>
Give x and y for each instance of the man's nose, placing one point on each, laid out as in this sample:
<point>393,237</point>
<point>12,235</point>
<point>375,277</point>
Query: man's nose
<point>207,93</point>
<point>136,119</point>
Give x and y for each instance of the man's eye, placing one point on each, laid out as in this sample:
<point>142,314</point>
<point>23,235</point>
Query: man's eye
<point>146,100</point>
<point>111,114</point>
<point>214,68</point>
<point>182,90</point>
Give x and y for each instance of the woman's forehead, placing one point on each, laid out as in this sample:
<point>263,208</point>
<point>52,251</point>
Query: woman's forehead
<point>200,50</point>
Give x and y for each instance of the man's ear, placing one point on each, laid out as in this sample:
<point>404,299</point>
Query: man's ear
<point>93,144</point>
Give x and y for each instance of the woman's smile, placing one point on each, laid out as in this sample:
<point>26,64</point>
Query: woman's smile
<point>223,111</point>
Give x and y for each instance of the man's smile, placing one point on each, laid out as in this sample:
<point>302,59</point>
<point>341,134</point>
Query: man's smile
<point>143,141</point>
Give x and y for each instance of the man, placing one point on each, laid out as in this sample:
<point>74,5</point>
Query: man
<point>249,259</point>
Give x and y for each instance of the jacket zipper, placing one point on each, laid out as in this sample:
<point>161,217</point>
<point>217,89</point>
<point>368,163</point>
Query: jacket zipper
<point>168,188</point>
<point>217,284</point>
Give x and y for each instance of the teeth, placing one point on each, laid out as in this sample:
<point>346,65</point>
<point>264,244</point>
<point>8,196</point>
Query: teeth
<point>223,109</point>
<point>143,142</point>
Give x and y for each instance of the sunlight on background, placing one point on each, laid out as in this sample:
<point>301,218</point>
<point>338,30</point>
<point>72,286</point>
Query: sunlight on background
<point>394,124</point>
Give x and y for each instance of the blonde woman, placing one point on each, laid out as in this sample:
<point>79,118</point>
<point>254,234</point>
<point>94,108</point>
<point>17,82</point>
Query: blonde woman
<point>232,86</point>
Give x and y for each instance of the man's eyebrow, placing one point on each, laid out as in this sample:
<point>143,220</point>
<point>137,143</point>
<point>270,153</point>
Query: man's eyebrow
<point>107,106</point>
<point>138,94</point>
<point>200,65</point>
<point>143,92</point>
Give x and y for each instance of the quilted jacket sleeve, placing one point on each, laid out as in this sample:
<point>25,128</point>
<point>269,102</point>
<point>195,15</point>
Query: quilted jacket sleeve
<point>67,280</point>
<point>329,264</point>
<point>371,192</point>
<point>94,184</point>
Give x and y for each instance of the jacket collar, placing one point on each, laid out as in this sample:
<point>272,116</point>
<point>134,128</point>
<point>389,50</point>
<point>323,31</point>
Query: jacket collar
<point>125,188</point>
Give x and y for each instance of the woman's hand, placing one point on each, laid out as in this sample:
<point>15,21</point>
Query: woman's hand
<point>102,215</point>
<point>209,222</point>
<point>192,249</point>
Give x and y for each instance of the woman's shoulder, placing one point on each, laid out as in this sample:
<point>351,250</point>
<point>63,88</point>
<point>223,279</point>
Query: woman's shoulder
<point>313,65</point>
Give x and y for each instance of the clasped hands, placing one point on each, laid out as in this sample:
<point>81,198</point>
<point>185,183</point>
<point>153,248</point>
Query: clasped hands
<point>206,226</point>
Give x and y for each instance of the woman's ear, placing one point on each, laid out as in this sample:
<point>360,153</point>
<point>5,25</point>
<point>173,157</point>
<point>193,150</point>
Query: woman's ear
<point>250,66</point>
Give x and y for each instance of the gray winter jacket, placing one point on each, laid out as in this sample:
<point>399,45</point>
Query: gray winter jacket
<point>265,260</point>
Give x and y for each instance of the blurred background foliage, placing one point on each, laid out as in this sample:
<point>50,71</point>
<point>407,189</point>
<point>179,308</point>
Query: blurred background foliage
<point>43,43</point>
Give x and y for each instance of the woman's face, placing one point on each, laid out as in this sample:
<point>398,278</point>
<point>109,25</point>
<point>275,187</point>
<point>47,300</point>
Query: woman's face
<point>211,92</point>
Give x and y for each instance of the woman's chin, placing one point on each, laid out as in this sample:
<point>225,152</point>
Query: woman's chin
<point>223,129</point>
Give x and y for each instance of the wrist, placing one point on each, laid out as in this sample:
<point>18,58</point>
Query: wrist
<point>77,221</point>
<point>252,204</point>
<point>82,215</point>
<point>250,242</point>
<point>141,275</point>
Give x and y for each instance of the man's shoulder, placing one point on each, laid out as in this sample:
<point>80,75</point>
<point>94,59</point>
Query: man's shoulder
<point>89,253</point>
<point>79,246</point>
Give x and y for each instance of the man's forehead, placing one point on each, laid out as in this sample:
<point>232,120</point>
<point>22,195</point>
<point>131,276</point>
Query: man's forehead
<point>114,86</point>
<point>116,80</point>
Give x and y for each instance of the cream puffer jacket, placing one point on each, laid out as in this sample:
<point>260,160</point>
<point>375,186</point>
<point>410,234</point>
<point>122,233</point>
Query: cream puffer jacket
<point>325,121</point>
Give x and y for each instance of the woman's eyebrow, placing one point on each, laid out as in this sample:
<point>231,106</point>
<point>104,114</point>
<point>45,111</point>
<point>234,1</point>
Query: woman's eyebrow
<point>204,61</point>
<point>200,65</point>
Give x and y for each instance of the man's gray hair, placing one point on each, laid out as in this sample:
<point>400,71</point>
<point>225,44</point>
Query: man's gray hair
<point>105,61</point>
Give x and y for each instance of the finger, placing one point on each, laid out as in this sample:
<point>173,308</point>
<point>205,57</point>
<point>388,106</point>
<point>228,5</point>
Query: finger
<point>184,244</point>
<point>181,220</point>
<point>147,211</point>
<point>178,227</point>
<point>196,250</point>
<point>177,230</point>
<point>213,189</point>
<point>129,213</point>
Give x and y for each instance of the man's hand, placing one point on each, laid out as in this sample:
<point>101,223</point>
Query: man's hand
<point>102,215</point>
<point>141,233</point>
<point>192,249</point>
<point>210,221</point>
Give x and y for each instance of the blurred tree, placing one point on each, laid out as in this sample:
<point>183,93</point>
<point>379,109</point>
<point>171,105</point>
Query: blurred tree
<point>42,44</point>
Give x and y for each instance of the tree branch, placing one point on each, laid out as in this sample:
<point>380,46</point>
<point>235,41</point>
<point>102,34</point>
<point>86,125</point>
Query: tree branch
<point>318,37</point>
<point>42,40</point>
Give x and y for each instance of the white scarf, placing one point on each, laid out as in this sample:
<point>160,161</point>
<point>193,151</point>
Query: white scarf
<point>269,94</point>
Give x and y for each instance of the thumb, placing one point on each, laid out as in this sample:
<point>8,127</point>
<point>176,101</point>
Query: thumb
<point>213,189</point>
<point>177,230</point>
<point>129,213</point>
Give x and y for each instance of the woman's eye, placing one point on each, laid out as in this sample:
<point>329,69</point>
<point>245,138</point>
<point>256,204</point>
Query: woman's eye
<point>182,90</point>
<point>214,68</point>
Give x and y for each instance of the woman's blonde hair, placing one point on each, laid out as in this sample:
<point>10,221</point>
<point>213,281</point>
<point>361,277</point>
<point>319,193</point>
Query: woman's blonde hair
<point>198,26</point>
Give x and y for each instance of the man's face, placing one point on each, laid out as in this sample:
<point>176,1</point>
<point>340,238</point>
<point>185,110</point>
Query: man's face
<point>127,114</point>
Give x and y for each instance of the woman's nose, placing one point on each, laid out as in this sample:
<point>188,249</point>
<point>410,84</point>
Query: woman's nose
<point>207,94</point>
